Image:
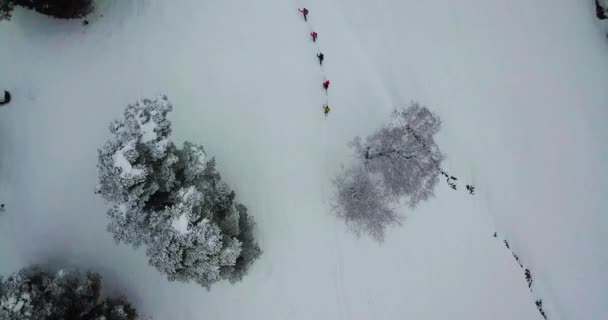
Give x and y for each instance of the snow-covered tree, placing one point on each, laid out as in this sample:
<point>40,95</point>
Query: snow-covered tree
<point>36,294</point>
<point>404,153</point>
<point>362,203</point>
<point>62,9</point>
<point>137,168</point>
<point>172,200</point>
<point>400,161</point>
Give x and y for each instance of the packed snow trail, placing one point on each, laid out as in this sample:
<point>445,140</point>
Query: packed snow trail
<point>342,305</point>
<point>238,76</point>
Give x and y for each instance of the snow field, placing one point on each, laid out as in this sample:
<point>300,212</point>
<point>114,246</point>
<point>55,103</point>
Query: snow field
<point>518,85</point>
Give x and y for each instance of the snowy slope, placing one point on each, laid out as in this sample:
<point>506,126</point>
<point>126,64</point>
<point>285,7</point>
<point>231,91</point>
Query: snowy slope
<point>523,97</point>
<point>519,90</point>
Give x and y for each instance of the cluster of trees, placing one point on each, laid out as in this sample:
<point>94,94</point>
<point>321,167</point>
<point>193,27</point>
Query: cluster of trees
<point>62,9</point>
<point>172,200</point>
<point>399,161</point>
<point>36,294</point>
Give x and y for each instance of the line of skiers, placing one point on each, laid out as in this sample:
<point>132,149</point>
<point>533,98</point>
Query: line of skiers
<point>326,109</point>
<point>314,35</point>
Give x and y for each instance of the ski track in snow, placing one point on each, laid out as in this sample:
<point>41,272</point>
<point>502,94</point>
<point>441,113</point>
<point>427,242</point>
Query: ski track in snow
<point>521,95</point>
<point>325,188</point>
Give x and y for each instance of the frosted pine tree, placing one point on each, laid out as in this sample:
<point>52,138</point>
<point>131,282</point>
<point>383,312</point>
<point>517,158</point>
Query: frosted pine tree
<point>219,206</point>
<point>36,294</point>
<point>62,9</point>
<point>136,168</point>
<point>188,247</point>
<point>172,200</point>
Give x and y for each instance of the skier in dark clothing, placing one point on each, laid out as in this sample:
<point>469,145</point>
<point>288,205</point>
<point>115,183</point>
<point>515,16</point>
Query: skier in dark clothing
<point>314,36</point>
<point>304,13</point>
<point>321,57</point>
<point>326,84</point>
<point>6,99</point>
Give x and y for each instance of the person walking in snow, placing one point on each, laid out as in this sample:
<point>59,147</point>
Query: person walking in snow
<point>471,189</point>
<point>6,99</point>
<point>321,57</point>
<point>304,13</point>
<point>314,36</point>
<point>326,109</point>
<point>326,84</point>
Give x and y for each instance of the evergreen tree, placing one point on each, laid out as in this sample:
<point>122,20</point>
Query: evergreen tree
<point>35,294</point>
<point>601,9</point>
<point>172,200</point>
<point>62,9</point>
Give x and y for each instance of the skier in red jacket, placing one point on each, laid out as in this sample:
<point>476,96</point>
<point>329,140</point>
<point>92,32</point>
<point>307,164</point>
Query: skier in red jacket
<point>314,36</point>
<point>304,13</point>
<point>326,84</point>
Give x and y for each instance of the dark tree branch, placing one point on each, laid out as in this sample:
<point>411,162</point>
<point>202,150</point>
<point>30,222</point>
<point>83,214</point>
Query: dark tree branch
<point>387,153</point>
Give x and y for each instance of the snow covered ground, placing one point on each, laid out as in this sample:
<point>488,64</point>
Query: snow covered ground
<point>520,87</point>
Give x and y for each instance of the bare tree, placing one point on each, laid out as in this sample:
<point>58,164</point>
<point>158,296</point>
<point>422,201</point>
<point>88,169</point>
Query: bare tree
<point>399,161</point>
<point>362,203</point>
<point>404,153</point>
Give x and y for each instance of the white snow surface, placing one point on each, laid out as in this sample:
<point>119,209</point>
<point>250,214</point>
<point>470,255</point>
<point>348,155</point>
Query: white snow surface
<point>520,86</point>
<point>180,224</point>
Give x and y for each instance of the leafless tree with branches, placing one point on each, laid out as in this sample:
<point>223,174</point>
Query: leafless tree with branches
<point>398,161</point>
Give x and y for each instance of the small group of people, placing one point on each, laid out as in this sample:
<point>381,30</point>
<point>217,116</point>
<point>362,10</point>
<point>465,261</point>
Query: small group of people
<point>451,180</point>
<point>314,35</point>
<point>471,189</point>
